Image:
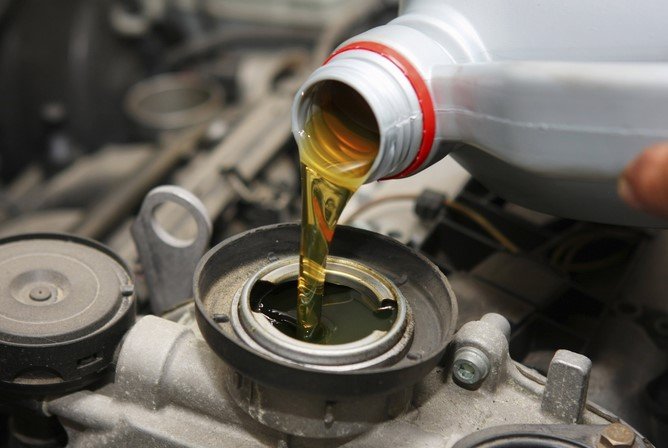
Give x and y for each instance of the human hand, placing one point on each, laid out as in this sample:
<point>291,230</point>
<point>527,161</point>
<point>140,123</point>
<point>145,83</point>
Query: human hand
<point>644,183</point>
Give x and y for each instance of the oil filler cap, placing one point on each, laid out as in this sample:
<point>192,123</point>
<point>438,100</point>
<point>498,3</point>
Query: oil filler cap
<point>65,304</point>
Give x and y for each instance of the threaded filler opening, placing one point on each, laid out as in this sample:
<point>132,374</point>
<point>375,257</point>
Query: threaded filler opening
<point>339,131</point>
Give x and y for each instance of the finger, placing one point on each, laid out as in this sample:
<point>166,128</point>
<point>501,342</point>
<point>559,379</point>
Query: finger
<point>644,183</point>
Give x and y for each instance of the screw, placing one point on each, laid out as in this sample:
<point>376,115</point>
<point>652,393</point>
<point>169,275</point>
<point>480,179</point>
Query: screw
<point>616,435</point>
<point>40,294</point>
<point>471,366</point>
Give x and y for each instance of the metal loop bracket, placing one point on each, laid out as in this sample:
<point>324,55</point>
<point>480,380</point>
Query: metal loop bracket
<point>168,261</point>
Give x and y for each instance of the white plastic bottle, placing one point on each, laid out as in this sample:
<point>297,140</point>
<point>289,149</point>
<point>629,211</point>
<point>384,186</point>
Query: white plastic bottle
<point>545,102</point>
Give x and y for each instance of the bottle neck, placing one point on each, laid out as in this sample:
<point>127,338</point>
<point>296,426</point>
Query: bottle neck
<point>396,94</point>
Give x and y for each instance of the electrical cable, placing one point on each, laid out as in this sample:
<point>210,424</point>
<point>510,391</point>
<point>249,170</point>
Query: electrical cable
<point>458,207</point>
<point>564,255</point>
<point>485,223</point>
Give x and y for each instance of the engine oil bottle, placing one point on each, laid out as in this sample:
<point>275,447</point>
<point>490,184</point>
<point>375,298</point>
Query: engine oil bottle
<point>544,102</point>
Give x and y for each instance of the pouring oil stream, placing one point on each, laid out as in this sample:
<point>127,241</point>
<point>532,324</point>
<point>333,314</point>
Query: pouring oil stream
<point>337,147</point>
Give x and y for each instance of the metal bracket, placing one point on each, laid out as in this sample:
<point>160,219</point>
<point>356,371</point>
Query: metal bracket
<point>565,393</point>
<point>169,262</point>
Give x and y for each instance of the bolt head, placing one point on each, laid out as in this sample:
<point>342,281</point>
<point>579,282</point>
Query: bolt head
<point>466,371</point>
<point>617,435</point>
<point>471,366</point>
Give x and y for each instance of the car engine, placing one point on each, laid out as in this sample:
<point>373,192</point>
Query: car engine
<point>150,191</point>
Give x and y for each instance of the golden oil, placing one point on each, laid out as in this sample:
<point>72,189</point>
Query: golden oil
<point>337,147</point>
<point>348,314</point>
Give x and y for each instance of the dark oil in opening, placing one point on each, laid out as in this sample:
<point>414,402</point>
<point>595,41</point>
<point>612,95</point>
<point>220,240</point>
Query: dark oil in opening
<point>348,315</point>
<point>337,147</point>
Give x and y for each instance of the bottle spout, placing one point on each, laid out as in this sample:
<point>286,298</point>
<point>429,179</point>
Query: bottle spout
<point>364,80</point>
